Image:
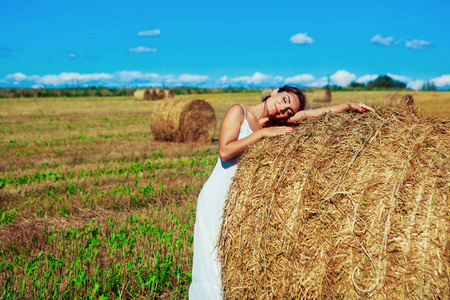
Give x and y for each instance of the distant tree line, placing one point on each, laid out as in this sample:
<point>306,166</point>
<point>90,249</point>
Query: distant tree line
<point>382,82</point>
<point>106,92</point>
<point>387,83</point>
<point>67,92</point>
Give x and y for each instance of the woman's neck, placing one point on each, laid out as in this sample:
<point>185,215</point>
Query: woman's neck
<point>259,113</point>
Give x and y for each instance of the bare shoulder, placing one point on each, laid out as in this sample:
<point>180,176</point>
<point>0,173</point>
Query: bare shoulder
<point>235,113</point>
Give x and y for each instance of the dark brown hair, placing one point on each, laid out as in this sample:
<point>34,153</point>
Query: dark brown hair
<point>293,90</point>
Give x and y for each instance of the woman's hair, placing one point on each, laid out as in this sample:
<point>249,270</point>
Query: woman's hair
<point>294,90</point>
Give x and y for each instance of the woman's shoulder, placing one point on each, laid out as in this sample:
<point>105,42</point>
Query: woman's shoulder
<point>237,109</point>
<point>236,112</point>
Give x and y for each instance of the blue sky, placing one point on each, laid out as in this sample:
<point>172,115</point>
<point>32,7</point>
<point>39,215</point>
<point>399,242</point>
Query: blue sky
<point>222,43</point>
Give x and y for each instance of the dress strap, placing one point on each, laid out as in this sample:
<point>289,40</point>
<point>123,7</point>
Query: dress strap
<point>244,110</point>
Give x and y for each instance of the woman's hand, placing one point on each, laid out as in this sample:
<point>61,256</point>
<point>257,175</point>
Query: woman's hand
<point>358,106</point>
<point>274,131</point>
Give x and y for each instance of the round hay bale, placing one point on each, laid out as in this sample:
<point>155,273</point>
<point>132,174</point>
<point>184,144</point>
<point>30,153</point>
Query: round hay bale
<point>399,99</point>
<point>170,94</point>
<point>161,94</point>
<point>265,93</point>
<point>142,94</point>
<point>322,95</point>
<point>347,206</point>
<point>154,94</point>
<point>184,121</point>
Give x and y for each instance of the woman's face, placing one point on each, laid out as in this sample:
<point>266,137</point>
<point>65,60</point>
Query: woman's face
<point>282,106</point>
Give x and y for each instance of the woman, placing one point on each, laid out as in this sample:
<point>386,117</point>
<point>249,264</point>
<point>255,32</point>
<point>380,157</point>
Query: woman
<point>242,126</point>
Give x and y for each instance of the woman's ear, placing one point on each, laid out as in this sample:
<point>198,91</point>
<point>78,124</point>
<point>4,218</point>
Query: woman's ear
<point>274,92</point>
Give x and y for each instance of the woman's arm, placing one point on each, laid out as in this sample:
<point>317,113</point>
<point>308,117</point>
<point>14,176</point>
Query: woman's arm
<point>330,109</point>
<point>229,145</point>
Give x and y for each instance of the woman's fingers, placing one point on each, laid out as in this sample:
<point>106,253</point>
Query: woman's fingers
<point>279,130</point>
<point>361,107</point>
<point>365,108</point>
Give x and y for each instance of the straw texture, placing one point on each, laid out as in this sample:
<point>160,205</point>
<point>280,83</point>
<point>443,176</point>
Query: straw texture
<point>346,206</point>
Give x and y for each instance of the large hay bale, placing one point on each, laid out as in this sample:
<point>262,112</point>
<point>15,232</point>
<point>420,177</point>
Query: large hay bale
<point>399,99</point>
<point>346,206</point>
<point>322,95</point>
<point>184,120</point>
<point>265,93</point>
<point>170,94</point>
<point>142,94</point>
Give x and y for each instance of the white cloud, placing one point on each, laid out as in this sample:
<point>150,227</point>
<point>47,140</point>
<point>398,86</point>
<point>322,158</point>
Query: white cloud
<point>399,77</point>
<point>143,79</point>
<point>301,38</point>
<point>367,78</point>
<point>16,77</point>
<point>381,40</point>
<point>71,78</point>
<point>71,55</point>
<point>141,49</point>
<point>323,81</point>
<point>256,79</point>
<point>302,78</point>
<point>188,78</point>
<point>416,84</point>
<point>149,32</point>
<point>342,78</point>
<point>135,78</point>
<point>130,76</point>
<point>223,79</point>
<point>387,41</point>
<point>417,44</point>
<point>442,80</point>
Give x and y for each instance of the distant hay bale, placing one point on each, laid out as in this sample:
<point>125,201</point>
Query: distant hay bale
<point>184,121</point>
<point>170,93</point>
<point>322,95</point>
<point>161,95</point>
<point>142,94</point>
<point>399,99</point>
<point>265,93</point>
<point>346,206</point>
<point>154,95</point>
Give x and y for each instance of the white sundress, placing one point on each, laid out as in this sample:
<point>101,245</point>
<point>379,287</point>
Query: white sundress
<point>206,283</point>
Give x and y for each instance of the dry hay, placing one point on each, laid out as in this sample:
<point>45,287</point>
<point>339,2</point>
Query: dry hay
<point>265,93</point>
<point>322,95</point>
<point>154,94</point>
<point>396,99</point>
<point>346,206</point>
<point>184,120</point>
<point>161,95</point>
<point>142,94</point>
<point>170,93</point>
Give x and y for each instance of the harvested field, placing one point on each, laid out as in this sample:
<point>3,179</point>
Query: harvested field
<point>346,206</point>
<point>90,201</point>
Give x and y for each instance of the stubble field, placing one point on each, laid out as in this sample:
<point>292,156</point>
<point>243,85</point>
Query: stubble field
<point>92,207</point>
